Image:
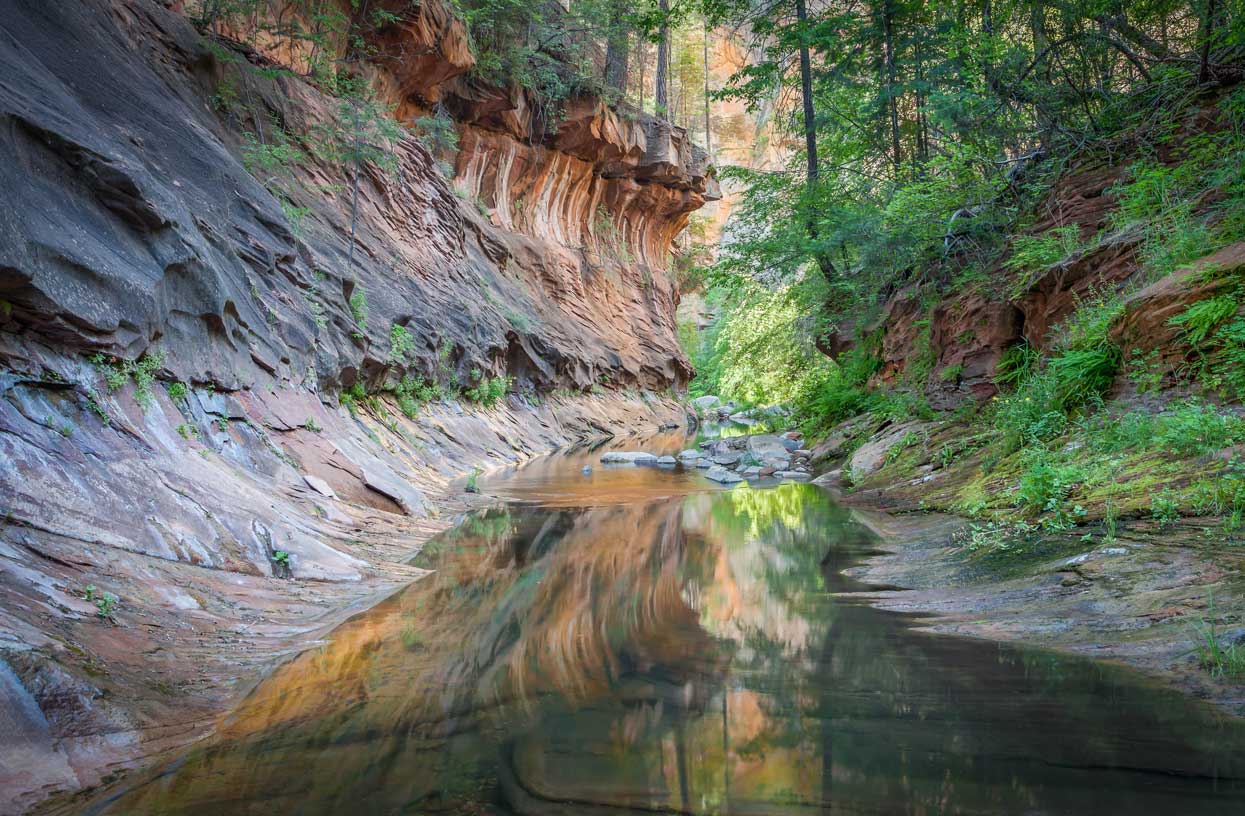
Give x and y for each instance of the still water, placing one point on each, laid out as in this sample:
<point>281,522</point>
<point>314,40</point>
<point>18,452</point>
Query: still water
<point>639,641</point>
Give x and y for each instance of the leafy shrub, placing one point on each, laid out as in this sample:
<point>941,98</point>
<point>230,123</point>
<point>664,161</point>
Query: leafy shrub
<point>1016,365</point>
<point>1083,366</point>
<point>1200,319</point>
<point>1045,483</point>
<point>1164,508</point>
<point>1033,254</point>
<point>1196,427</point>
<point>118,372</point>
<point>358,308</point>
<point>437,133</point>
<point>487,391</point>
<point>401,344</point>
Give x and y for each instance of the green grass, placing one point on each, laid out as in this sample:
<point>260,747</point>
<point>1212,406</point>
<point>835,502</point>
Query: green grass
<point>1224,661</point>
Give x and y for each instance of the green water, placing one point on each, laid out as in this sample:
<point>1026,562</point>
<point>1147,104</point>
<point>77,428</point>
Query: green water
<point>636,641</point>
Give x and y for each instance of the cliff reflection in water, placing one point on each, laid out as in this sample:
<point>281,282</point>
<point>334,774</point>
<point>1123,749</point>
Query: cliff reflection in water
<point>694,654</point>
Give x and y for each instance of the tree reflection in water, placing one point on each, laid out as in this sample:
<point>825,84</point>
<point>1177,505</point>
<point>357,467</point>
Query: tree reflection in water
<point>696,654</point>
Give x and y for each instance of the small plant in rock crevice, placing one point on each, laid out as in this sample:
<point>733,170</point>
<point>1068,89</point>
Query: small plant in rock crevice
<point>359,309</point>
<point>487,391</point>
<point>1223,660</point>
<point>142,372</point>
<point>105,602</point>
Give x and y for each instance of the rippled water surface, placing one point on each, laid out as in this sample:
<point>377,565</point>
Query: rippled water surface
<point>638,641</point>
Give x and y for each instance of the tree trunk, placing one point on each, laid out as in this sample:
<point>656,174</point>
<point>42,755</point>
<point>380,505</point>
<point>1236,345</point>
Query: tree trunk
<point>1207,34</point>
<point>643,66</point>
<point>806,94</point>
<point>661,90</point>
<point>810,134</point>
<point>705,49</point>
<point>617,49</point>
<point>892,103</point>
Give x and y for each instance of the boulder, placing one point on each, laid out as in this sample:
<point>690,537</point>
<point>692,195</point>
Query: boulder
<point>690,453</point>
<point>870,456</point>
<point>727,459</point>
<point>767,448</point>
<point>629,458</point>
<point>721,474</point>
<point>753,472</point>
<point>703,463</point>
<point>706,402</point>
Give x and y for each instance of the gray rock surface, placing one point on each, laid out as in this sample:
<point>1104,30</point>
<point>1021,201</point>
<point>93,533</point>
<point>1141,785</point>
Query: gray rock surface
<point>721,474</point>
<point>764,447</point>
<point>629,458</point>
<point>870,456</point>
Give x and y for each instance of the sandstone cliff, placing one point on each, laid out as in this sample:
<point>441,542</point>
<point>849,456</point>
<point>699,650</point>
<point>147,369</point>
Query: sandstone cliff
<point>204,454</point>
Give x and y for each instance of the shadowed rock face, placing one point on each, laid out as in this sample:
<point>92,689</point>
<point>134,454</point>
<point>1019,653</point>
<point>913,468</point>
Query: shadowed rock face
<point>131,222</point>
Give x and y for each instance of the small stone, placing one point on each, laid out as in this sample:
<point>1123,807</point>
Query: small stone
<point>666,461</point>
<point>768,471</point>
<point>753,472</point>
<point>727,459</point>
<point>801,452</point>
<point>587,469</point>
<point>690,453</point>
<point>629,458</point>
<point>793,475</point>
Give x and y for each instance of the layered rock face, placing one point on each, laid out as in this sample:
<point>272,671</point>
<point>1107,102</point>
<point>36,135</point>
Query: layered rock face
<point>960,339</point>
<point>165,203</point>
<point>132,223</point>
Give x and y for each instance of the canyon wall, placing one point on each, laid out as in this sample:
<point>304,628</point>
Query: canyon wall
<point>188,284</point>
<point>947,338</point>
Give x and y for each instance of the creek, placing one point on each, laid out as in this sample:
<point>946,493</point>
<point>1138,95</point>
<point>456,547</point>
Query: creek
<point>637,640</point>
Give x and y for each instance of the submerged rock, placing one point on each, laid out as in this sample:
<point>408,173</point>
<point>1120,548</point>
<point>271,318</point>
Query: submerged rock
<point>721,474</point>
<point>629,458</point>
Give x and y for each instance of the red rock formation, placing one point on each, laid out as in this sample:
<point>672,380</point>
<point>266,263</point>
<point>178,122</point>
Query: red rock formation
<point>1145,325</point>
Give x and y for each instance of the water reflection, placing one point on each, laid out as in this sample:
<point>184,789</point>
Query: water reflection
<point>691,654</point>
